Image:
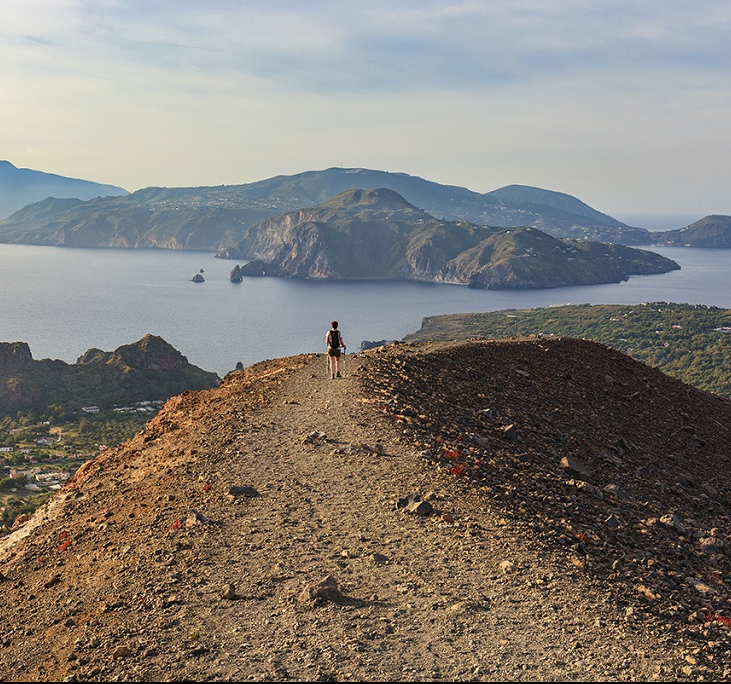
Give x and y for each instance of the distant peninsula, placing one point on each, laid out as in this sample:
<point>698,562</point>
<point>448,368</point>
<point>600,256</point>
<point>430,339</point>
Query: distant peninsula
<point>710,232</point>
<point>378,235</point>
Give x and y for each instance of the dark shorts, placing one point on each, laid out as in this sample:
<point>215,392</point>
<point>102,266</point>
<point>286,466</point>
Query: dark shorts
<point>333,351</point>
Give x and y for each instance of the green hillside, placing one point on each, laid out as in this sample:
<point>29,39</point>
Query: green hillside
<point>691,342</point>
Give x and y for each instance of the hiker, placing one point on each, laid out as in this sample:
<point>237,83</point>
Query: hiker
<point>334,340</point>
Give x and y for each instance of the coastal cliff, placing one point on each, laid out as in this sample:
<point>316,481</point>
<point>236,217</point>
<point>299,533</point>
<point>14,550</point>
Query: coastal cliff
<point>378,235</point>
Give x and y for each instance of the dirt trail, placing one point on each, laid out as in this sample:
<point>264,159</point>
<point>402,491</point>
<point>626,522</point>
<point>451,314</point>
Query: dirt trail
<point>419,598</point>
<point>455,595</point>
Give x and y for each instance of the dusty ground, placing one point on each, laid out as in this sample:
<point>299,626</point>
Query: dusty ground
<point>151,567</point>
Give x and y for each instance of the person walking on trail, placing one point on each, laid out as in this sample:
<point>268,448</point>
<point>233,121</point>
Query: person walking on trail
<point>334,340</point>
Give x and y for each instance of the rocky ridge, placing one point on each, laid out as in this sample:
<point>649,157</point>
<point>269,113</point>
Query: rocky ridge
<point>513,510</point>
<point>150,368</point>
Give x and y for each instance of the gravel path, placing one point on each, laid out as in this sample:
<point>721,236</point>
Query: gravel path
<point>309,571</point>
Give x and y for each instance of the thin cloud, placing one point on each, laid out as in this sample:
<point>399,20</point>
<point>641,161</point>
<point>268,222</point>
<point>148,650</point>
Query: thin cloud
<point>325,45</point>
<point>565,94</point>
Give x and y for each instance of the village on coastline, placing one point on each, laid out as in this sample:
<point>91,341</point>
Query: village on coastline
<point>41,466</point>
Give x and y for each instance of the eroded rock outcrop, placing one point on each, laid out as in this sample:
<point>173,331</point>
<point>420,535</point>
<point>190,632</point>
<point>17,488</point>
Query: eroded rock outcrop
<point>147,369</point>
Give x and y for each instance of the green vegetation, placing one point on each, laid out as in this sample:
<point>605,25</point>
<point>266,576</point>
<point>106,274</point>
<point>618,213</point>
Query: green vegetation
<point>65,445</point>
<point>75,433</point>
<point>684,341</point>
<point>14,506</point>
<point>7,484</point>
<point>102,428</point>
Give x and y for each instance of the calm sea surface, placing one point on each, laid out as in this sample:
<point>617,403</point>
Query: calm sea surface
<point>64,301</point>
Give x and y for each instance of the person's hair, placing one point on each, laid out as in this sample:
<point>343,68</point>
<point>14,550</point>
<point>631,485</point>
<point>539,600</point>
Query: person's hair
<point>334,324</point>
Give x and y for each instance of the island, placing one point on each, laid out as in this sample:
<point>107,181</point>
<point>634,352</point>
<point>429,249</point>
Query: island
<point>378,235</point>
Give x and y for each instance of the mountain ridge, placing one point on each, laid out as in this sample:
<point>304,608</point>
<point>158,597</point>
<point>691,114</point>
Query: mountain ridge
<point>710,232</point>
<point>687,341</point>
<point>212,217</point>
<point>20,187</point>
<point>267,529</point>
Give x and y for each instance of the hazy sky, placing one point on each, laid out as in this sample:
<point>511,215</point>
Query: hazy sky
<point>624,104</point>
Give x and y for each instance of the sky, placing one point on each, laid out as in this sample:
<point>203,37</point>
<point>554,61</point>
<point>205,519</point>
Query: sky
<point>623,104</point>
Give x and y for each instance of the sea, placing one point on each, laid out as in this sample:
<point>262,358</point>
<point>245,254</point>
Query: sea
<point>63,301</point>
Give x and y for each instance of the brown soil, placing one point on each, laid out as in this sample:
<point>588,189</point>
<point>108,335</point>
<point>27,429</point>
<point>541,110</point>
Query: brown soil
<point>149,566</point>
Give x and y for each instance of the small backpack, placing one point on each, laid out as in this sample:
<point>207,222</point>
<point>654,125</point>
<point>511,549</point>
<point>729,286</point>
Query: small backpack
<point>333,339</point>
